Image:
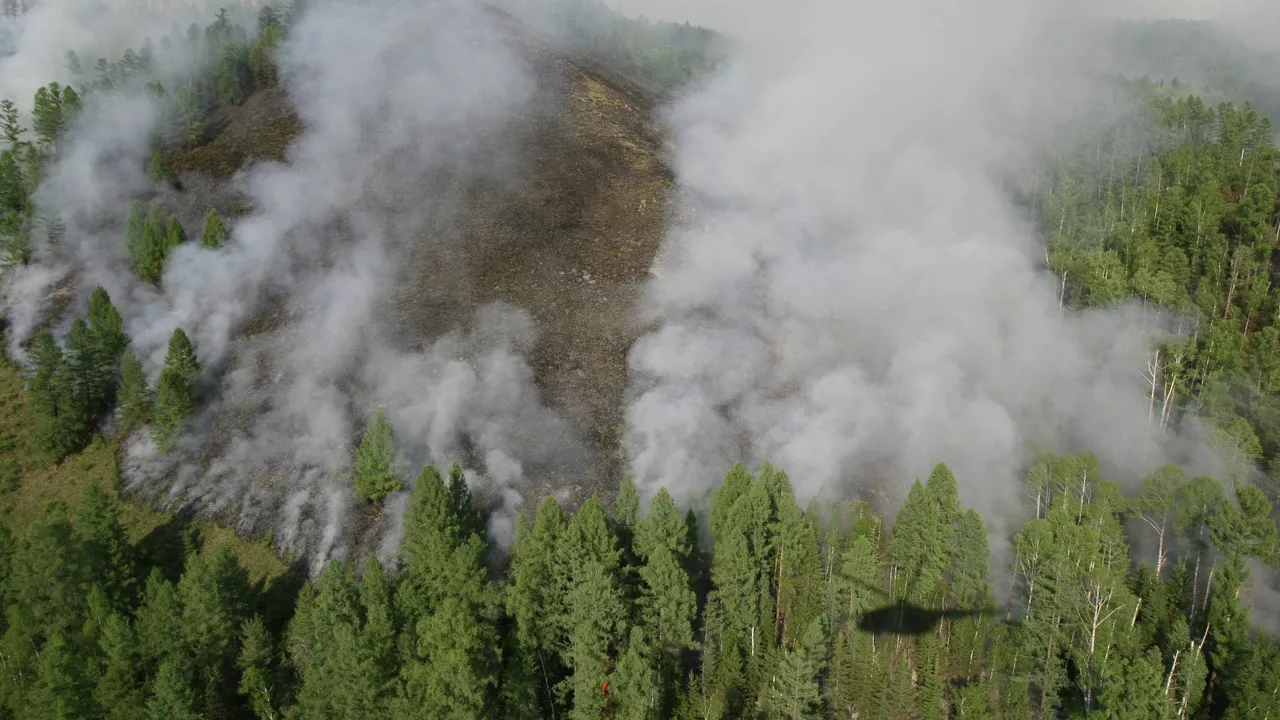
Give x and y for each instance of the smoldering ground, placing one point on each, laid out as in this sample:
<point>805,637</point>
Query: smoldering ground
<point>396,98</point>
<point>857,295</point>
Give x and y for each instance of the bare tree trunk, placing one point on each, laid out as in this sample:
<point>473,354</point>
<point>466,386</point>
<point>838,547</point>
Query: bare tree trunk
<point>1167,410</point>
<point>1153,376</point>
<point>1168,684</point>
<point>1235,276</point>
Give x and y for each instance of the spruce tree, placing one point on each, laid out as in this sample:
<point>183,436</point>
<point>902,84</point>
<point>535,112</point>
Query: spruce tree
<point>172,694</point>
<point>175,391</point>
<point>153,248</point>
<point>214,234</point>
<point>89,382</point>
<point>174,236</point>
<point>133,236</point>
<point>447,603</point>
<point>158,170</point>
<point>668,605</point>
<point>44,366</point>
<point>597,615</point>
<point>258,681</point>
<point>118,684</point>
<point>60,688</point>
<point>375,471</point>
<point>108,329</point>
<point>795,692</point>
<point>106,547</point>
<point>47,114</point>
<point>10,126</point>
<point>633,687</point>
<point>535,602</point>
<point>135,399</point>
<point>460,503</point>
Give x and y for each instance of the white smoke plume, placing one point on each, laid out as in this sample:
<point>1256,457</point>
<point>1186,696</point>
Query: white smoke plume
<point>396,99</point>
<point>852,293</point>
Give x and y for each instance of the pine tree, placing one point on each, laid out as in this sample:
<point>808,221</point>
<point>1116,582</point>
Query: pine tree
<point>158,170</point>
<point>325,646</point>
<point>174,235</point>
<point>135,397</point>
<point>44,365</point>
<point>378,636</point>
<point>375,472</point>
<point>88,384</point>
<point>108,330</point>
<point>47,116</point>
<point>62,388</point>
<point>189,114</point>
<point>133,236</point>
<point>60,690</point>
<point>172,694</point>
<point>106,547</point>
<point>795,691</point>
<point>153,246</point>
<point>534,599</point>
<point>667,600</point>
<point>447,601</point>
<point>10,125</point>
<point>214,234</point>
<point>118,689</point>
<point>257,674</point>
<point>633,687</point>
<point>626,512</point>
<point>175,391</point>
<point>588,567</point>
<point>469,519</point>
<point>918,550</point>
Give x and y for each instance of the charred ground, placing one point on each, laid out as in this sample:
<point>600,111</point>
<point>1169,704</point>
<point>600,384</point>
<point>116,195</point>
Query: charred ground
<point>571,241</point>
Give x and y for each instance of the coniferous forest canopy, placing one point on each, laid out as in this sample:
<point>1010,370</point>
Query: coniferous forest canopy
<point>1125,600</point>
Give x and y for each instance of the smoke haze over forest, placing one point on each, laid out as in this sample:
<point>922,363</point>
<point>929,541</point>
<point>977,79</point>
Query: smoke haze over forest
<point>851,288</point>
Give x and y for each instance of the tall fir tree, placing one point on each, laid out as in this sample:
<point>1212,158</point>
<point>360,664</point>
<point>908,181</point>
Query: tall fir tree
<point>214,234</point>
<point>175,391</point>
<point>376,473</point>
<point>135,399</point>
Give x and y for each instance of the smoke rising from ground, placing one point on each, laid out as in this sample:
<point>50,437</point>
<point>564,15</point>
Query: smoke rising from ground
<point>395,98</point>
<point>853,294</point>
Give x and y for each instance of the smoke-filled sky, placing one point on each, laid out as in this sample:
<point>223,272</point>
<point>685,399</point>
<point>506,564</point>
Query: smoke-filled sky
<point>755,18</point>
<point>850,291</point>
<point>855,296</point>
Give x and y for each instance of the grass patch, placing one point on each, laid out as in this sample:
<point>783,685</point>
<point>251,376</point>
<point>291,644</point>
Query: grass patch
<point>31,487</point>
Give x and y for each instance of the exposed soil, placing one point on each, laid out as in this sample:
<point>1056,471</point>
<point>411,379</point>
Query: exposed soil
<point>572,242</point>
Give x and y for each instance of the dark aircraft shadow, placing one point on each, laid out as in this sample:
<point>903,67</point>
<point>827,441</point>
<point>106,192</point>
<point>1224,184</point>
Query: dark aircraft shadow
<point>902,618</point>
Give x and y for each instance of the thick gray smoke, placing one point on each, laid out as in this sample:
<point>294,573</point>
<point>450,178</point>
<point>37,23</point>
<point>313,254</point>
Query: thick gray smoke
<point>852,294</point>
<point>397,99</point>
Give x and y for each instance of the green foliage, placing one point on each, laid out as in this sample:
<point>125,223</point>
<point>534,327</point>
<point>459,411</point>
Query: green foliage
<point>376,472</point>
<point>158,170</point>
<point>783,633</point>
<point>1175,205</point>
<point>47,114</point>
<point>175,391</point>
<point>135,397</point>
<point>149,241</point>
<point>214,233</point>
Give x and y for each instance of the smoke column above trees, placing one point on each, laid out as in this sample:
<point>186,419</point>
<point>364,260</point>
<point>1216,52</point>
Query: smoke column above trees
<point>852,292</point>
<point>395,98</point>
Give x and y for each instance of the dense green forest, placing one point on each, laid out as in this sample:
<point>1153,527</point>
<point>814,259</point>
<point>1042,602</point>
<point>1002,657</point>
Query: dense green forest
<point>1175,207</point>
<point>1126,606</point>
<point>624,613</point>
<point>663,54</point>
